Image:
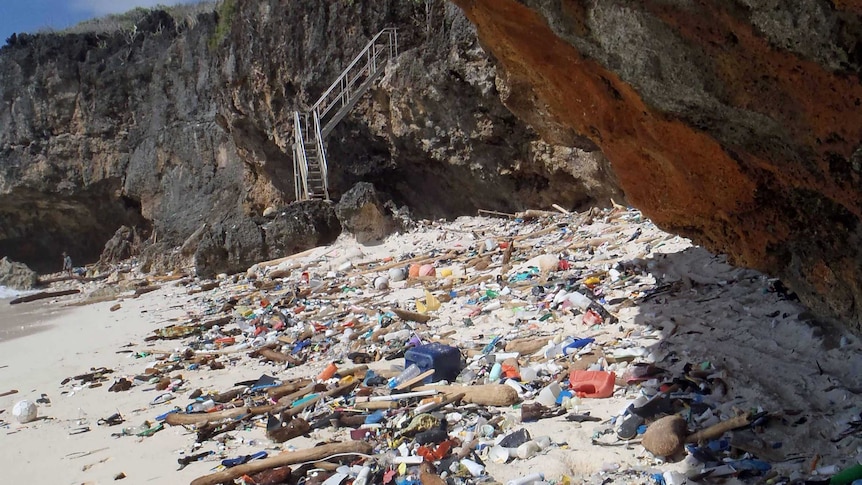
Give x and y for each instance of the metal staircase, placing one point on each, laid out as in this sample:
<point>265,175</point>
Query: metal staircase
<point>310,128</point>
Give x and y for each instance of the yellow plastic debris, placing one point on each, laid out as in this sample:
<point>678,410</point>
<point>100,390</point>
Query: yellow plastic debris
<point>431,303</point>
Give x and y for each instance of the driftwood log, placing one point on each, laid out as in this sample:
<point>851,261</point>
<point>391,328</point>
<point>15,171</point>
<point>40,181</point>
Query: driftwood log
<point>312,454</point>
<point>198,419</point>
<point>410,316</point>
<point>718,429</point>
<point>43,295</point>
<point>483,395</point>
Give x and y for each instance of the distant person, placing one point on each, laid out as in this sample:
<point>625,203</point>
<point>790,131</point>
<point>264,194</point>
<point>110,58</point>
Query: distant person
<point>67,263</point>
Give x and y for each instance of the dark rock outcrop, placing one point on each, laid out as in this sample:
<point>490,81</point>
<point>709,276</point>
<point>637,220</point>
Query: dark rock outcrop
<point>300,226</point>
<point>182,122</point>
<point>17,275</point>
<point>363,214</point>
<point>735,123</point>
<point>233,246</point>
<point>124,244</point>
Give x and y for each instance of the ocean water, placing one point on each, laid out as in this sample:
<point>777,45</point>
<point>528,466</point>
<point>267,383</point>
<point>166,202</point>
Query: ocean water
<point>8,293</point>
<point>25,318</point>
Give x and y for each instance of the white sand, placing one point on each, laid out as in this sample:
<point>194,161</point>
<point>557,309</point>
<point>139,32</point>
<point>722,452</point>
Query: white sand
<point>718,314</point>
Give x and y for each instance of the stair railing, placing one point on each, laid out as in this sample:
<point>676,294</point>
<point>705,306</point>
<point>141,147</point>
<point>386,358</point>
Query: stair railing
<point>342,94</point>
<point>321,156</point>
<point>299,159</point>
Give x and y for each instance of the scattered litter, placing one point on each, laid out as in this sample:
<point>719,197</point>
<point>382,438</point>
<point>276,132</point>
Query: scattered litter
<point>482,353</point>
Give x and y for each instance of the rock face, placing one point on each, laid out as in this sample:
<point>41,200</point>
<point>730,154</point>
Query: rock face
<point>17,275</point>
<point>123,245</point>
<point>180,122</point>
<point>235,245</point>
<point>301,226</point>
<point>105,130</point>
<point>362,213</point>
<point>738,124</point>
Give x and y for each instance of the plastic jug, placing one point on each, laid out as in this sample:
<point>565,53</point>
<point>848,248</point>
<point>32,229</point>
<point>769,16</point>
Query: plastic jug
<point>592,383</point>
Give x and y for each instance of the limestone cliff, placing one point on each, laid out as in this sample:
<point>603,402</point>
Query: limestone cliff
<point>737,123</point>
<point>181,127</point>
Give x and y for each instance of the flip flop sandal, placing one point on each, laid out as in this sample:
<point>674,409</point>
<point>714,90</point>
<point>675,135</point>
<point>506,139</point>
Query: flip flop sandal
<point>111,420</point>
<point>232,462</point>
<point>629,427</point>
<point>162,398</point>
<point>121,384</point>
<point>164,416</point>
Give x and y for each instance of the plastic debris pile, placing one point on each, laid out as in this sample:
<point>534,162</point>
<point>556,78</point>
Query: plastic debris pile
<point>467,358</point>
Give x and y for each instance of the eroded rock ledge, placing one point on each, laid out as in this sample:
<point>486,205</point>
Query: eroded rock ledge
<point>735,123</point>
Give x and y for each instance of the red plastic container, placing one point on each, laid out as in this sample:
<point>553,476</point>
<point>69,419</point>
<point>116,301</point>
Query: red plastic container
<point>328,372</point>
<point>592,383</point>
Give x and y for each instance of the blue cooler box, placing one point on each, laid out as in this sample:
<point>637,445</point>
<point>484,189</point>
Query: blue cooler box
<point>445,360</point>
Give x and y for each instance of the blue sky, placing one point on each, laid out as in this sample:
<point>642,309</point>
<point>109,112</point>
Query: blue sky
<point>33,15</point>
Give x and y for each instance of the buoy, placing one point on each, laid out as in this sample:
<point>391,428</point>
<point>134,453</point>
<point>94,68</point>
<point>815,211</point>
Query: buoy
<point>427,270</point>
<point>397,274</point>
<point>24,411</point>
<point>381,283</point>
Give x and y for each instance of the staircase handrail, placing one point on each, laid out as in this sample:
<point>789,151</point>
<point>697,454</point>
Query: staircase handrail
<point>299,150</point>
<point>353,82</point>
<point>392,44</point>
<point>321,156</point>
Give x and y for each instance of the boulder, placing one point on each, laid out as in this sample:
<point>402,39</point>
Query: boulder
<point>666,436</point>
<point>123,245</point>
<point>235,245</point>
<point>17,275</point>
<point>300,226</point>
<point>229,247</point>
<point>362,213</point>
<point>162,257</point>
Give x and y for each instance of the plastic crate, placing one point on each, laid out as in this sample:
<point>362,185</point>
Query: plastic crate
<point>445,360</point>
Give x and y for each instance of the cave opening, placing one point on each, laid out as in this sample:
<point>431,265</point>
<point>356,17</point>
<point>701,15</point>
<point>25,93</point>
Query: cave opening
<point>37,227</point>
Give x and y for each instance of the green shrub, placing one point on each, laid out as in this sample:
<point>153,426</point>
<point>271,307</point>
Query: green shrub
<point>226,11</point>
<point>184,13</point>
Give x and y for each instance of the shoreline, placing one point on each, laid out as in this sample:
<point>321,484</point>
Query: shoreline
<point>25,319</point>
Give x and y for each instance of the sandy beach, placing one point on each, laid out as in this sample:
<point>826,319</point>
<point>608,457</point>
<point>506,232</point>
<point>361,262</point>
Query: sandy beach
<point>684,309</point>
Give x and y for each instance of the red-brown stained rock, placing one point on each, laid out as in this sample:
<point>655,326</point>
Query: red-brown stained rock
<point>786,201</point>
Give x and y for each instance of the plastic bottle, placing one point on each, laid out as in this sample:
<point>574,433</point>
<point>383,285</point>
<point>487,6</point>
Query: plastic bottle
<point>135,430</point>
<point>474,468</point>
<point>405,375</point>
<point>579,300</point>
<point>527,450</point>
<point>529,479</point>
<point>362,477</point>
<point>494,305</point>
<point>201,406</point>
<point>496,371</point>
<point>397,335</point>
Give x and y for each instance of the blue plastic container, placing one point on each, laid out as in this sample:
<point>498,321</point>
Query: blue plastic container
<point>445,360</point>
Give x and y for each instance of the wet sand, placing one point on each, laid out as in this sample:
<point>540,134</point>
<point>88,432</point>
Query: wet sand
<point>26,318</point>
